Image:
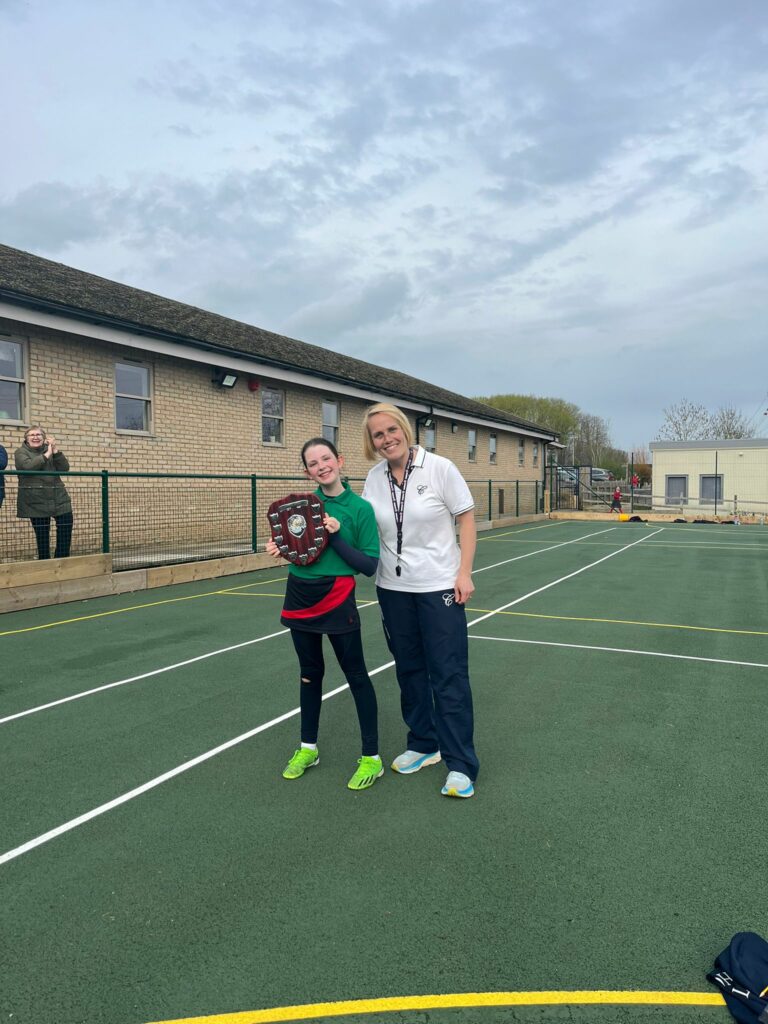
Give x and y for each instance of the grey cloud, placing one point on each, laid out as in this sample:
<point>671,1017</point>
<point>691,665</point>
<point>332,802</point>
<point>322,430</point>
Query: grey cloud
<point>385,298</point>
<point>719,192</point>
<point>49,216</point>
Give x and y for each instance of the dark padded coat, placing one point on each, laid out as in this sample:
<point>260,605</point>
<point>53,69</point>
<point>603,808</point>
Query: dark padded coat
<point>41,496</point>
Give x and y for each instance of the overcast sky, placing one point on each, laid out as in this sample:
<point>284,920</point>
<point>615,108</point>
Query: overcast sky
<point>537,196</point>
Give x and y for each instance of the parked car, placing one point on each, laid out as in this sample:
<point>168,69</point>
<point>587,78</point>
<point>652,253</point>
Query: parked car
<point>600,474</point>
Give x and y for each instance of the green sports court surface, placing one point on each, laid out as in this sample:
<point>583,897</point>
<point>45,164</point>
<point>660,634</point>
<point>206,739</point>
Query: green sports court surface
<point>155,866</point>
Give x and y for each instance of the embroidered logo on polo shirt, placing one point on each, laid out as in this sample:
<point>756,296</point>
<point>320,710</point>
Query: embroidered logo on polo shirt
<point>421,488</point>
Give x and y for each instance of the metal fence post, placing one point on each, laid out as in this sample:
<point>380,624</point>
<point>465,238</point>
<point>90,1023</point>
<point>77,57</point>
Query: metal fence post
<point>490,500</point>
<point>517,499</point>
<point>105,511</point>
<point>254,527</point>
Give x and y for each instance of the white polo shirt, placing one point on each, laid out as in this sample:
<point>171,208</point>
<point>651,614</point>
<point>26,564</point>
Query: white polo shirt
<point>436,493</point>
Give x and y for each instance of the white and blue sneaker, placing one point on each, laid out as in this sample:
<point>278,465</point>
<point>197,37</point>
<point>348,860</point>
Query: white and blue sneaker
<point>412,760</point>
<point>458,784</point>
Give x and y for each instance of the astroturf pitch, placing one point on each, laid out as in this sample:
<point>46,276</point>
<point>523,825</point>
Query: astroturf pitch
<point>155,866</point>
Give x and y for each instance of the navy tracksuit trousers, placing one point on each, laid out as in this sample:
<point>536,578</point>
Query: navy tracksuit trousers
<point>427,635</point>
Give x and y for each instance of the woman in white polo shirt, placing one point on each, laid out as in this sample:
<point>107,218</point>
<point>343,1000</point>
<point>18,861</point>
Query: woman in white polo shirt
<point>423,581</point>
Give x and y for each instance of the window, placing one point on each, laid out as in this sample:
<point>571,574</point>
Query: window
<point>710,489</point>
<point>12,382</point>
<point>429,437</point>
<point>133,402</point>
<point>521,451</point>
<point>472,445</point>
<point>331,422</point>
<point>492,449</point>
<point>272,416</point>
<point>676,492</point>
<point>535,453</point>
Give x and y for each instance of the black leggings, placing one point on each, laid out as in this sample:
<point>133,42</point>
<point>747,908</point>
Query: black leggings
<point>348,648</point>
<point>42,527</point>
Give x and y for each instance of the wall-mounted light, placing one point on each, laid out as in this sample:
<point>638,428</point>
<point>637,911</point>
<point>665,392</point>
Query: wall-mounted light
<point>225,379</point>
<point>454,428</point>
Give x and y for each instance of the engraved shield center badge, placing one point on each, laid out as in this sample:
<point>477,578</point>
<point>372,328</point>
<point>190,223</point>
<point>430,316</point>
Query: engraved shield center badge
<point>297,525</point>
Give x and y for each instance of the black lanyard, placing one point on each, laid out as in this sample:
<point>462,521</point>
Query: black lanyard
<point>398,504</point>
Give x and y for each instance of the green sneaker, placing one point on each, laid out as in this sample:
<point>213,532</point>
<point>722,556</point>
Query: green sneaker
<point>368,770</point>
<point>301,760</point>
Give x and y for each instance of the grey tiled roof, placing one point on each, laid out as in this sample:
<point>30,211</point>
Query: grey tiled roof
<point>33,281</point>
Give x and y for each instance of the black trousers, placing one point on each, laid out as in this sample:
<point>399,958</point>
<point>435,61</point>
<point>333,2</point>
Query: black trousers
<point>427,635</point>
<point>42,527</point>
<point>348,648</point>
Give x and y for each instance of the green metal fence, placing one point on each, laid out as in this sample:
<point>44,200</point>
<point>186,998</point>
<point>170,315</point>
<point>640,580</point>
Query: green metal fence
<point>147,519</point>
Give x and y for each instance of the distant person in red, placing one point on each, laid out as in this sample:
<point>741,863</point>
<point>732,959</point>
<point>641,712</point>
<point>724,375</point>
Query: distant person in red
<point>635,481</point>
<point>616,503</point>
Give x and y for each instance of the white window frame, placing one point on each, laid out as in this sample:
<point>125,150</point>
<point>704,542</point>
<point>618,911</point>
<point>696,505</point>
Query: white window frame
<point>146,399</point>
<point>329,430</point>
<point>521,451</point>
<point>21,382</point>
<point>493,448</point>
<point>271,441</point>
<point>471,444</point>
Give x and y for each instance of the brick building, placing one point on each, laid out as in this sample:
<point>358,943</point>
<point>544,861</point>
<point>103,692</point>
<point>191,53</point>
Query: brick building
<point>131,381</point>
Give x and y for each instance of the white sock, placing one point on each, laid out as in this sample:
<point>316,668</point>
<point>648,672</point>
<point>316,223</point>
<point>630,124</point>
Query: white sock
<point>309,746</point>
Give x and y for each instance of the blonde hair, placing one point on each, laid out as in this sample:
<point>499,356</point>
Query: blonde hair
<point>396,414</point>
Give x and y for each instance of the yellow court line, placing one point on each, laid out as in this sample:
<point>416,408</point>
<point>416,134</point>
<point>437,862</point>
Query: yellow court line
<point>313,1011</point>
<point>229,593</point>
<point>628,622</point>
<point>137,607</point>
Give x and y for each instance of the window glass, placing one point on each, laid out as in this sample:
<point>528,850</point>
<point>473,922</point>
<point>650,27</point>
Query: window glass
<point>521,451</point>
<point>11,380</point>
<point>472,445</point>
<point>429,440</point>
<point>492,449</point>
<point>331,422</point>
<point>272,416</point>
<point>677,490</point>
<point>132,380</point>
<point>131,414</point>
<point>711,488</point>
<point>132,398</point>
<point>10,400</point>
<point>11,359</point>
<point>535,453</point>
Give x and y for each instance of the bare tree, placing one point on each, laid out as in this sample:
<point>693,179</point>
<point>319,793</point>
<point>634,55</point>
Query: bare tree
<point>685,421</point>
<point>593,440</point>
<point>727,422</point>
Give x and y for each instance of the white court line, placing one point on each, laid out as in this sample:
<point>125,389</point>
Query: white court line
<point>160,779</point>
<point>562,579</point>
<point>619,650</point>
<point>154,672</point>
<point>543,551</point>
<point>246,643</point>
<point>165,777</point>
<point>135,679</point>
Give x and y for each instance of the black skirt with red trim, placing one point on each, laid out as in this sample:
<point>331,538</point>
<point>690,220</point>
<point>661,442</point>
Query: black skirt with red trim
<point>325,604</point>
